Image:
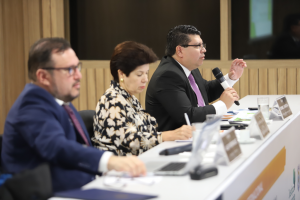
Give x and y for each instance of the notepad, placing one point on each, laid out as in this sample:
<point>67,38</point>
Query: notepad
<point>99,194</point>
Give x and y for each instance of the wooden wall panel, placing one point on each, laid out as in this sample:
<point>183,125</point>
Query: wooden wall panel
<point>83,91</point>
<point>272,81</point>
<point>291,81</point>
<point>91,88</point>
<point>152,69</point>
<point>57,16</point>
<point>75,102</point>
<point>298,81</point>
<point>100,84</point>
<point>32,27</point>
<point>107,78</point>
<point>2,82</point>
<point>253,81</point>
<point>200,70</point>
<point>46,18</point>
<point>225,23</point>
<point>282,78</point>
<point>66,20</point>
<point>14,57</point>
<point>244,86</point>
<point>22,22</point>
<point>224,71</point>
<point>262,81</point>
<point>207,74</point>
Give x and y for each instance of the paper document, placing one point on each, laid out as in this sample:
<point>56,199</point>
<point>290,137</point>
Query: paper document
<point>188,140</point>
<point>243,117</point>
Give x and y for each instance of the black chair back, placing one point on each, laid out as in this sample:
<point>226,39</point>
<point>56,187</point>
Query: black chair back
<point>88,119</point>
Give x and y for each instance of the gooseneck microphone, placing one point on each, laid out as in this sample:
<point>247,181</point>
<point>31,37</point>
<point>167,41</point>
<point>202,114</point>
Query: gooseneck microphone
<point>219,76</point>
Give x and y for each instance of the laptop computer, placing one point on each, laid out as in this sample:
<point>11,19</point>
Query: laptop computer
<point>165,168</point>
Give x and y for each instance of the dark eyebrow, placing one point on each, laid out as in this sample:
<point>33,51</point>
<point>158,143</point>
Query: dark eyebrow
<point>71,66</point>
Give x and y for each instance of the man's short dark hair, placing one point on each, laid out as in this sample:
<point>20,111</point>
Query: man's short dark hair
<point>179,36</point>
<point>128,55</point>
<point>40,54</point>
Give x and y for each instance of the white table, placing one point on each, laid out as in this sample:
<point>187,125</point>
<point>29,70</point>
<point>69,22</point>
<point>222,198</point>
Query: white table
<point>233,180</point>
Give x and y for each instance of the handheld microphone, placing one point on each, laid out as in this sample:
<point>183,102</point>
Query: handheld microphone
<point>219,76</point>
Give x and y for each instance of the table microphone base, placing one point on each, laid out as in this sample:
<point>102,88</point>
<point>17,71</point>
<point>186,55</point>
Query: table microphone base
<point>203,171</point>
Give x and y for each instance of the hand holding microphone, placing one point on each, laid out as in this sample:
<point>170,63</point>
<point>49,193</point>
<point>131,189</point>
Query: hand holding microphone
<point>219,76</point>
<point>229,96</point>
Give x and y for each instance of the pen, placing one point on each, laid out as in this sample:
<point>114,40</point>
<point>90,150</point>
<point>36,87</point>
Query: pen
<point>187,119</point>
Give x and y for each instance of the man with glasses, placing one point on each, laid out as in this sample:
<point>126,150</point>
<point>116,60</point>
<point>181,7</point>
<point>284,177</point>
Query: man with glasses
<point>177,86</point>
<point>44,127</point>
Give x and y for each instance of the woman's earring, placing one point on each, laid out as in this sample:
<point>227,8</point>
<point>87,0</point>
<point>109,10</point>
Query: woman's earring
<point>122,80</point>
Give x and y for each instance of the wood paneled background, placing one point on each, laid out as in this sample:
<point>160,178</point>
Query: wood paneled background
<point>259,78</point>
<point>22,22</point>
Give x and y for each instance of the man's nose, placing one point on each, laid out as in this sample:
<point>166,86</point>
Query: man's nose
<point>77,74</point>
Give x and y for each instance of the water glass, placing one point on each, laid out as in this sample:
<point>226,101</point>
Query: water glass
<point>263,106</point>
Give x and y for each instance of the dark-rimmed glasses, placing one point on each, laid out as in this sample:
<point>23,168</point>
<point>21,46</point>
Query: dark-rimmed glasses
<point>199,46</point>
<point>70,70</point>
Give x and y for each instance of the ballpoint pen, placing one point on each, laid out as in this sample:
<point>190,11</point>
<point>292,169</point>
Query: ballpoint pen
<point>187,119</point>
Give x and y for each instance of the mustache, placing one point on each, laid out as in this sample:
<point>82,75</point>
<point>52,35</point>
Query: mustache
<point>76,83</point>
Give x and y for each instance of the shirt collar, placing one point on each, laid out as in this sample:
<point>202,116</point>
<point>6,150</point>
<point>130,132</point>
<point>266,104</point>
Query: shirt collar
<point>60,102</point>
<point>186,71</point>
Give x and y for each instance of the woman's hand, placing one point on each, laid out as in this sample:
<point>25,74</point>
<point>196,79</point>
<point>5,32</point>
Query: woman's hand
<point>183,133</point>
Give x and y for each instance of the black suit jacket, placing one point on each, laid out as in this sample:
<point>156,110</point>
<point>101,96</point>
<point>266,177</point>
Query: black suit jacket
<point>170,95</point>
<point>285,48</point>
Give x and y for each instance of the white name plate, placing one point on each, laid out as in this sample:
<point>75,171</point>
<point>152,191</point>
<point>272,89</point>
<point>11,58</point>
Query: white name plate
<point>281,109</point>
<point>261,124</point>
<point>231,145</point>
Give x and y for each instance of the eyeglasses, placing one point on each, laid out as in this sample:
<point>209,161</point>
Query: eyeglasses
<point>199,46</point>
<point>70,70</point>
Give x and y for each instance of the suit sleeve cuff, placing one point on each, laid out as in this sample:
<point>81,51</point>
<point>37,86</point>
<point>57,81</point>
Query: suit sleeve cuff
<point>104,161</point>
<point>220,108</point>
<point>229,81</point>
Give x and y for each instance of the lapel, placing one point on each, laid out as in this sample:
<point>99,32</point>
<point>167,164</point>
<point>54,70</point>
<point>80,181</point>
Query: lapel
<point>191,94</point>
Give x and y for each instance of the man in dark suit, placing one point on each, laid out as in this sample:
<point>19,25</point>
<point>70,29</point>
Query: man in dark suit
<point>177,86</point>
<point>287,45</point>
<point>43,126</point>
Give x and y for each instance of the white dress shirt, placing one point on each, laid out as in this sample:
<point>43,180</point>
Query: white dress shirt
<point>219,106</point>
<point>102,167</point>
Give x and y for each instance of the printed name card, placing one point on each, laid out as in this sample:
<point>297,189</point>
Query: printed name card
<point>262,125</point>
<point>231,145</point>
<point>281,109</point>
<point>284,107</point>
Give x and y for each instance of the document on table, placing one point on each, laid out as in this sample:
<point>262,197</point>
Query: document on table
<point>114,177</point>
<point>188,140</point>
<point>243,117</point>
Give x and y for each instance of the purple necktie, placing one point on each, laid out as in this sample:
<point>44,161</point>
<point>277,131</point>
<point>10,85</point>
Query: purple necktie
<point>76,123</point>
<point>196,90</point>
